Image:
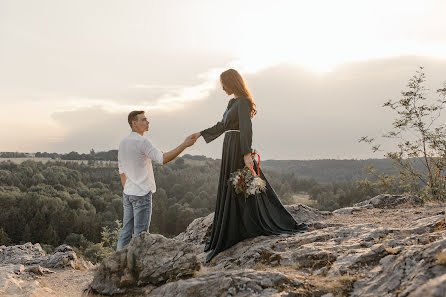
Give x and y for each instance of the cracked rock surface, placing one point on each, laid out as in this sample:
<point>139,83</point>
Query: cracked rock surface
<point>393,248</point>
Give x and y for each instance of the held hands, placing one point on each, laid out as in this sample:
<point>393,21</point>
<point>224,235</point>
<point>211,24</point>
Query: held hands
<point>196,135</point>
<point>191,139</point>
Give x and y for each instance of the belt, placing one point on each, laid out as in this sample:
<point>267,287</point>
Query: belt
<point>232,131</point>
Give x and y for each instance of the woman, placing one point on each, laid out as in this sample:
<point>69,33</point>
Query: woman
<point>237,218</point>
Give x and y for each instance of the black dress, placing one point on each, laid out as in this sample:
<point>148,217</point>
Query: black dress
<point>237,218</point>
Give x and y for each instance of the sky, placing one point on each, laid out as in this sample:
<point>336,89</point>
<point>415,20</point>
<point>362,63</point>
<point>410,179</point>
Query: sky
<point>319,71</point>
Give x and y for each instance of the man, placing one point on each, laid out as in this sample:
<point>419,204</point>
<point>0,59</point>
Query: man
<point>135,157</point>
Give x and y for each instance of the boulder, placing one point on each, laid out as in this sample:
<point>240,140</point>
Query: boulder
<point>29,254</point>
<point>381,201</point>
<point>149,259</point>
<point>26,254</point>
<point>387,200</point>
<point>198,232</point>
<point>65,257</point>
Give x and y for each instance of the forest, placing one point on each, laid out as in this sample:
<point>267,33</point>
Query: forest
<point>50,202</point>
<point>325,170</point>
<point>80,203</point>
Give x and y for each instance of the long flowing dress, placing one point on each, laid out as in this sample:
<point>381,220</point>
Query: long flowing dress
<point>237,218</point>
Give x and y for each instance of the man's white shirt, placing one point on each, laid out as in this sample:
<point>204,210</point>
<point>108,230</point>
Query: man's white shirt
<point>135,157</point>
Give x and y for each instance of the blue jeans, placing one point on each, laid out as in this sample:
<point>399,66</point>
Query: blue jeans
<point>137,213</point>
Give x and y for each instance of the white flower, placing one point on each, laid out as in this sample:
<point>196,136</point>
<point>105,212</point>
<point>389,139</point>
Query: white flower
<point>252,185</point>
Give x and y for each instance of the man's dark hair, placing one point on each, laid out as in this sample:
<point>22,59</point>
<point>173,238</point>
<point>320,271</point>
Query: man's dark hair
<point>133,116</point>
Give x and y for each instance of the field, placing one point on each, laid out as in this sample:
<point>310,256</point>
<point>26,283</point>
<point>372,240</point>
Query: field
<point>304,198</point>
<point>45,160</point>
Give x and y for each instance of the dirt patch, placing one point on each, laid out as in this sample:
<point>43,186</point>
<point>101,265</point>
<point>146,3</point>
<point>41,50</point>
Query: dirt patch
<point>67,282</point>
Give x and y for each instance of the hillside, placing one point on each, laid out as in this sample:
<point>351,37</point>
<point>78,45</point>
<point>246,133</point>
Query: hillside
<point>325,170</point>
<point>330,170</point>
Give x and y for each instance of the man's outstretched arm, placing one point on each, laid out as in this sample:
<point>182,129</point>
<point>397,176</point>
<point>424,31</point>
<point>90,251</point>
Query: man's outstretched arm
<point>170,155</point>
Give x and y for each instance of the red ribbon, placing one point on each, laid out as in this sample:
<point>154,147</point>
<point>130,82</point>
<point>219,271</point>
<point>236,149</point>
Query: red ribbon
<point>258,163</point>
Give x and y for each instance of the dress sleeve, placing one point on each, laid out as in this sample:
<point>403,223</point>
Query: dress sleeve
<point>213,132</point>
<point>245,126</point>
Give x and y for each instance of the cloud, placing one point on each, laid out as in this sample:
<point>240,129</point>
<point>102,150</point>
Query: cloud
<point>88,128</point>
<point>309,115</point>
<point>301,114</point>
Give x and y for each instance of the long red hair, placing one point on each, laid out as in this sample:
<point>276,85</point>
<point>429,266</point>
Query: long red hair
<point>234,82</point>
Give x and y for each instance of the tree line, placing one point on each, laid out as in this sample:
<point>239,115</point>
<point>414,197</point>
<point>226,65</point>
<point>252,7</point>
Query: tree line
<point>67,202</point>
<point>81,203</point>
<point>325,170</point>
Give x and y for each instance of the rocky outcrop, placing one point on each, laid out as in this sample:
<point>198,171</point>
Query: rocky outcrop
<point>435,287</point>
<point>64,257</point>
<point>26,254</point>
<point>16,280</point>
<point>32,254</point>
<point>309,250</point>
<point>382,201</point>
<point>386,200</point>
<point>305,214</point>
<point>21,265</point>
<point>230,283</point>
<point>385,249</point>
<point>403,270</point>
<point>198,232</point>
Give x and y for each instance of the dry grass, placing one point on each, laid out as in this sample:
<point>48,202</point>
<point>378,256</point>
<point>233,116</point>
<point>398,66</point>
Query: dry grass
<point>43,283</point>
<point>338,286</point>
<point>441,258</point>
<point>304,199</point>
<point>260,266</point>
<point>314,264</point>
<point>203,271</point>
<point>392,251</point>
<point>441,227</point>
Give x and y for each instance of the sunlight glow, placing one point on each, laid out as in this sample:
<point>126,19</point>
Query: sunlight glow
<point>142,54</point>
<point>320,35</point>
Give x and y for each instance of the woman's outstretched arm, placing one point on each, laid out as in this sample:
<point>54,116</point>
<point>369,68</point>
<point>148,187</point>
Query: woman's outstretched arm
<point>213,132</point>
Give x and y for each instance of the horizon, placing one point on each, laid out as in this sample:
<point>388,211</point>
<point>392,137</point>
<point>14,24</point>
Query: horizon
<point>181,155</point>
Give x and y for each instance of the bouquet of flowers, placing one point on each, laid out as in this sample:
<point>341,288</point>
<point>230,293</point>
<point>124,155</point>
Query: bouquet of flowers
<point>246,181</point>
